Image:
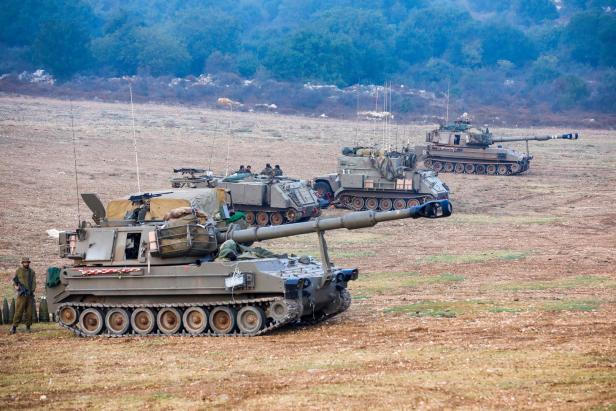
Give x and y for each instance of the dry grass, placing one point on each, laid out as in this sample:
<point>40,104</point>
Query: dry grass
<point>507,304</point>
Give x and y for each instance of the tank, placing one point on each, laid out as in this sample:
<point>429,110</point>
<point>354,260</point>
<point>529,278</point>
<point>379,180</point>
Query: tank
<point>265,200</point>
<point>371,179</point>
<point>196,273</point>
<point>462,148</point>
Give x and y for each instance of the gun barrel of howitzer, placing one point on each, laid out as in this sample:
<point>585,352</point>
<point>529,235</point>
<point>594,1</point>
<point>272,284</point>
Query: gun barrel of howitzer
<point>350,221</point>
<point>568,136</point>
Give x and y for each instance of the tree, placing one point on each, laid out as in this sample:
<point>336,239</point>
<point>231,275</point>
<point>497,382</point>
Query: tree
<point>570,91</point>
<point>504,42</point>
<point>535,11</point>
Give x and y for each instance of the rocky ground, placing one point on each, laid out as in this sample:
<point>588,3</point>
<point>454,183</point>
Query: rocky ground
<point>508,303</point>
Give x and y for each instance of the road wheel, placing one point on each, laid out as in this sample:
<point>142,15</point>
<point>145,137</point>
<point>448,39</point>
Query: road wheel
<point>262,218</point>
<point>437,166</point>
<point>357,203</point>
<point>372,203</point>
<point>448,167</point>
<point>385,204</point>
<point>459,168</point>
<point>250,319</point>
<point>491,169</point>
<point>250,217</point>
<point>278,311</point>
<point>399,204</point>
<point>91,321</point>
<point>67,315</point>
<point>469,168</point>
<point>502,170</point>
<point>169,320</point>
<point>222,320</point>
<point>142,321</point>
<point>345,201</point>
<point>194,320</point>
<point>413,202</point>
<point>276,219</point>
<point>324,191</point>
<point>291,215</point>
<point>481,169</point>
<point>516,168</point>
<point>428,163</point>
<point>117,321</point>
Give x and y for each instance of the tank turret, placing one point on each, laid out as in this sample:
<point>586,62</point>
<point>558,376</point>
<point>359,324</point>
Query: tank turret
<point>369,178</point>
<point>463,148</point>
<point>187,268</point>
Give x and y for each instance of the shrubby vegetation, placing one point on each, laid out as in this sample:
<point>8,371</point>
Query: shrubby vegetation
<point>487,50</point>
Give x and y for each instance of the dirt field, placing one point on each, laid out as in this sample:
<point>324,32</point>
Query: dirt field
<point>508,303</point>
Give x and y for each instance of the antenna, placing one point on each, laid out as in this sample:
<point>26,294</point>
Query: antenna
<point>447,110</point>
<point>229,141</point>
<point>132,111</point>
<point>75,164</point>
<point>356,143</point>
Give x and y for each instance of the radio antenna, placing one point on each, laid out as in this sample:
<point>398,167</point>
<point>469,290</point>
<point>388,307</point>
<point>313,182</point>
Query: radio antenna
<point>447,109</point>
<point>132,112</point>
<point>75,164</point>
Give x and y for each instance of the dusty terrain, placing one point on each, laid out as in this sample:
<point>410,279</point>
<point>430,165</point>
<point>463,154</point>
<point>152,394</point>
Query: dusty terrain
<point>508,303</point>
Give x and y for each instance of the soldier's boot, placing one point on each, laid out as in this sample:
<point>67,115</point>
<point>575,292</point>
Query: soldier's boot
<point>13,330</point>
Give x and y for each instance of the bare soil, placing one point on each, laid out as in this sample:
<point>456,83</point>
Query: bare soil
<point>508,303</point>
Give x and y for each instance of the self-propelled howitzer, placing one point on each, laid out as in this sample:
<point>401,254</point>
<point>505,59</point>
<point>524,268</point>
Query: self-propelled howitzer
<point>200,277</point>
<point>463,148</point>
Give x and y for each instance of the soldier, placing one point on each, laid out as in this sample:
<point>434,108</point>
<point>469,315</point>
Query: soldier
<point>241,170</point>
<point>249,169</point>
<point>25,284</point>
<point>229,251</point>
<point>277,170</point>
<point>268,170</point>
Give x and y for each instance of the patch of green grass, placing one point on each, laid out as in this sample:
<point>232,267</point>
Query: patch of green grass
<point>476,258</point>
<point>571,305</point>
<point>581,281</point>
<point>429,309</point>
<point>497,310</point>
<point>243,130</point>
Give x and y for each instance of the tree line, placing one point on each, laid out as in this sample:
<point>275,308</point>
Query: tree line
<point>484,48</point>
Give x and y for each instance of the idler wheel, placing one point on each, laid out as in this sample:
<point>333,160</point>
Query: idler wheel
<point>437,166</point>
<point>412,202</point>
<point>250,319</point>
<point>262,218</point>
<point>399,204</point>
<point>278,311</point>
<point>448,167</point>
<point>428,163</point>
<point>250,217</point>
<point>142,321</point>
<point>459,168</point>
<point>91,322</point>
<point>117,321</point>
<point>194,320</point>
<point>68,315</point>
<point>372,203</point>
<point>491,169</point>
<point>516,168</point>
<point>502,170</point>
<point>385,204</point>
<point>222,320</point>
<point>481,169</point>
<point>357,203</point>
<point>469,168</point>
<point>345,201</point>
<point>168,320</point>
<point>276,219</point>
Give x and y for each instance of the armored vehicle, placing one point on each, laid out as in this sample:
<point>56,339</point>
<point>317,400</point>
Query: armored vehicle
<point>372,179</point>
<point>462,148</point>
<point>182,268</point>
<point>265,200</point>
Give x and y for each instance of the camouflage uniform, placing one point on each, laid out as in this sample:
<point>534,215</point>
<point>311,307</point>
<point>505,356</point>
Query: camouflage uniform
<point>25,282</point>
<point>277,171</point>
<point>229,251</point>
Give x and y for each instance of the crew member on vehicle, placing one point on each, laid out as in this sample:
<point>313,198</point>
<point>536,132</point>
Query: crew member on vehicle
<point>277,170</point>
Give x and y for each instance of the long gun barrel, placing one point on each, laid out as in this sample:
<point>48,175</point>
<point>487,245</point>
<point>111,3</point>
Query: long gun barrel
<point>568,136</point>
<point>432,209</point>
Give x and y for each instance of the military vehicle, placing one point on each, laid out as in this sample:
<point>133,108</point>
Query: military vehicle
<point>462,148</point>
<point>163,273</point>
<point>371,179</point>
<point>265,200</point>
